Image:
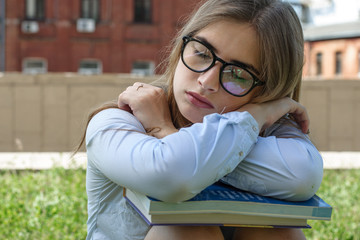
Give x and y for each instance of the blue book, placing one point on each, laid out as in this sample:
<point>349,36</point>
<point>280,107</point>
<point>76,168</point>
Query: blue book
<point>223,205</point>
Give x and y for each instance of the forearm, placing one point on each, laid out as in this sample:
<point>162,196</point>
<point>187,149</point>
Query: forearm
<point>267,113</point>
<point>285,168</point>
<point>186,161</point>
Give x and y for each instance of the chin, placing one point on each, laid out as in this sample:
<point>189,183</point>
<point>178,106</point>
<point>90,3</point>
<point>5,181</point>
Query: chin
<point>193,114</point>
<point>195,117</point>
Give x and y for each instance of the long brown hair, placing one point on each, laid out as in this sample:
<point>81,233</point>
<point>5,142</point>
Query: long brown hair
<point>280,43</point>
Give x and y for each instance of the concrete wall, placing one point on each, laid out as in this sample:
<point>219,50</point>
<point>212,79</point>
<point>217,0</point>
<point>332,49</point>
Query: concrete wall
<point>48,112</point>
<point>334,109</point>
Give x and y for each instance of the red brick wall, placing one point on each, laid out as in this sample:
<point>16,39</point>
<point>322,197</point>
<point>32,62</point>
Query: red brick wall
<point>350,49</point>
<point>117,41</point>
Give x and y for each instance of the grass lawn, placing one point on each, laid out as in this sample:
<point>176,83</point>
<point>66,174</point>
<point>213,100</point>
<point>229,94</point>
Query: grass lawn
<point>341,189</point>
<point>51,204</point>
<point>47,205</point>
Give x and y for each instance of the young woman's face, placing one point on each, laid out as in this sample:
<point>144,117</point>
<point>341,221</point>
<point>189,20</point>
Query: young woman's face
<point>200,94</point>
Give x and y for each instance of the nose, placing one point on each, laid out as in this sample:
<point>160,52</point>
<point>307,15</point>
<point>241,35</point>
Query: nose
<point>209,80</point>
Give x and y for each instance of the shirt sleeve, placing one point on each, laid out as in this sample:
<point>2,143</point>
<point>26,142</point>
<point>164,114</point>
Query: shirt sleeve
<point>285,165</point>
<point>173,168</point>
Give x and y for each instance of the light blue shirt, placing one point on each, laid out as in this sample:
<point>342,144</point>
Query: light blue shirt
<point>175,168</point>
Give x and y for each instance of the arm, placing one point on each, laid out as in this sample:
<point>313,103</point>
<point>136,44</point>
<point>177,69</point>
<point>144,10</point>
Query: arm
<point>150,107</point>
<point>173,168</point>
<point>265,114</point>
<point>284,164</point>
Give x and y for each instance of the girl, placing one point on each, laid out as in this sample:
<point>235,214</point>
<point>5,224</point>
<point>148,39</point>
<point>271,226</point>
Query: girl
<point>226,114</point>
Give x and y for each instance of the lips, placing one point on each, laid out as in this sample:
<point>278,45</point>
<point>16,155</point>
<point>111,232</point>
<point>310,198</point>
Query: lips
<point>198,100</point>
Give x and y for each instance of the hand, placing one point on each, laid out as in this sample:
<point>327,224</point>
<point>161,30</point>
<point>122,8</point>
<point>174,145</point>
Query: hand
<point>268,113</point>
<point>149,105</point>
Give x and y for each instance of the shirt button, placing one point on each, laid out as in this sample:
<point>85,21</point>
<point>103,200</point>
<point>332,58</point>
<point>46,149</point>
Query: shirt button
<point>254,128</point>
<point>241,153</point>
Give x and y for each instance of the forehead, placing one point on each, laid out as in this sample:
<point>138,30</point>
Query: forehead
<point>233,41</point>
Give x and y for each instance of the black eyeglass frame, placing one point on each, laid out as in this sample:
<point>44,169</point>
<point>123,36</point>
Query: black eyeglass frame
<point>256,82</point>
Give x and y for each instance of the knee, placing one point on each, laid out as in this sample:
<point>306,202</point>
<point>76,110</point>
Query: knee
<point>269,233</point>
<point>184,232</point>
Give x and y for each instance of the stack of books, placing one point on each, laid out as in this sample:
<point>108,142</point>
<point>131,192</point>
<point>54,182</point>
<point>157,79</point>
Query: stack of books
<point>223,205</point>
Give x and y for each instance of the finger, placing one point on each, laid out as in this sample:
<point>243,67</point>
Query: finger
<point>303,121</point>
<point>126,108</point>
<point>138,85</point>
<point>125,98</point>
<point>304,125</point>
<point>122,104</point>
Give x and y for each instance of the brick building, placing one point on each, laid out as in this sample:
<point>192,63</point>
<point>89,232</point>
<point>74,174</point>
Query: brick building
<point>88,36</point>
<point>333,51</point>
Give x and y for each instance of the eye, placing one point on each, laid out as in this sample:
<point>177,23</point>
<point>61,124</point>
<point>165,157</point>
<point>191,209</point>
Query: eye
<point>241,77</point>
<point>205,55</point>
<point>201,51</point>
<point>237,73</point>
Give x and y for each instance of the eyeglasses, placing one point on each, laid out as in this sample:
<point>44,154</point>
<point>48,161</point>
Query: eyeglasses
<point>236,79</point>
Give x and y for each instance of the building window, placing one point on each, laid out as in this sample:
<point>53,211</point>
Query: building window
<point>34,66</point>
<point>319,64</point>
<point>35,9</point>
<point>90,9</point>
<point>142,11</point>
<point>338,63</point>
<point>90,67</point>
<point>143,68</point>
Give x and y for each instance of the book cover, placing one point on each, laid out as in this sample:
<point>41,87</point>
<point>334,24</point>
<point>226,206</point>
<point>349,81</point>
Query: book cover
<point>220,204</point>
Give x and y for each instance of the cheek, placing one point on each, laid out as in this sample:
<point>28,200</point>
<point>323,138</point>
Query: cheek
<point>183,74</point>
<point>178,76</point>
<point>179,83</point>
<point>229,104</point>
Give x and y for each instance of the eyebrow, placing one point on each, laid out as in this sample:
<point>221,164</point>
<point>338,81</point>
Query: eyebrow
<point>247,65</point>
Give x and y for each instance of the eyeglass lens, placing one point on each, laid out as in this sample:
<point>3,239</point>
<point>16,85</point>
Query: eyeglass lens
<point>234,79</point>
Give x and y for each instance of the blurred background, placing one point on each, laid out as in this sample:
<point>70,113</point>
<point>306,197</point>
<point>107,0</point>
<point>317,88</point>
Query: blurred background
<point>61,58</point>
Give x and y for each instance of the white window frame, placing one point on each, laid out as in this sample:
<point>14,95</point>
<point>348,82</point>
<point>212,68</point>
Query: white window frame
<point>34,70</point>
<point>90,71</point>
<point>319,64</point>
<point>339,63</point>
<point>143,68</point>
<point>35,9</point>
<point>90,9</point>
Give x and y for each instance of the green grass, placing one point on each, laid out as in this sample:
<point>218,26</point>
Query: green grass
<point>43,205</point>
<point>341,189</point>
<point>51,204</point>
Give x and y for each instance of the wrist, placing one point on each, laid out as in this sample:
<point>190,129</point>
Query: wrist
<point>257,112</point>
<point>160,132</point>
